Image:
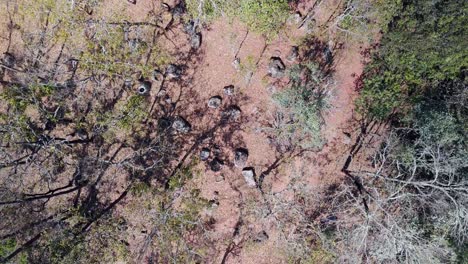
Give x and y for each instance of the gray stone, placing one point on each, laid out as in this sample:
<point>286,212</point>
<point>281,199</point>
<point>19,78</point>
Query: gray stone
<point>195,40</point>
<point>276,67</point>
<point>215,102</point>
<point>161,93</point>
<point>157,76</point>
<point>216,165</point>
<point>181,125</point>
<point>260,237</point>
<point>240,157</point>
<point>173,71</point>
<point>190,27</point>
<point>128,83</point>
<point>164,123</point>
<point>9,59</point>
<point>249,176</point>
<point>204,153</point>
<point>179,9</point>
<point>229,90</point>
<point>231,113</point>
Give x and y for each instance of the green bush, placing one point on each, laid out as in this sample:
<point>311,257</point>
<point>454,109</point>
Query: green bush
<point>305,101</point>
<point>265,17</point>
<point>424,49</point>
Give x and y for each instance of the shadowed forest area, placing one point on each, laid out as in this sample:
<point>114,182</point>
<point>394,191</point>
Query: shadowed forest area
<point>233,131</point>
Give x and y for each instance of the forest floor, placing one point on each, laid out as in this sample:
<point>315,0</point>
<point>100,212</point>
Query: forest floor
<point>207,73</point>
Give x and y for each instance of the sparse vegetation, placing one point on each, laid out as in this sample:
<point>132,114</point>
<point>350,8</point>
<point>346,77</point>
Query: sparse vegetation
<point>123,140</point>
<point>303,105</point>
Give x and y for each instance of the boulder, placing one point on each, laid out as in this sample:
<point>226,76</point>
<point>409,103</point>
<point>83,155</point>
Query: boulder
<point>195,40</point>
<point>216,164</point>
<point>229,90</point>
<point>240,157</point>
<point>157,76</point>
<point>327,55</point>
<point>190,27</point>
<point>179,9</point>
<point>173,71</point>
<point>204,154</point>
<point>9,59</point>
<point>72,65</point>
<point>215,102</point>
<point>231,113</point>
<point>181,125</point>
<point>260,237</point>
<point>249,176</point>
<point>276,67</point>
<point>164,123</point>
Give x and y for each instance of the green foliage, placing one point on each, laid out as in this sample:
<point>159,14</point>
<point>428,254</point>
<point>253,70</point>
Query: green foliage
<point>183,175</point>
<point>132,112</point>
<point>305,100</point>
<point>265,17</point>
<point>423,49</point>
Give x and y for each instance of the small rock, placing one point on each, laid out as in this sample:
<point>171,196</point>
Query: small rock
<point>72,65</point>
<point>276,67</point>
<point>144,87</point>
<point>157,76</point>
<point>240,157</point>
<point>219,178</point>
<point>132,2</point>
<point>70,84</point>
<point>216,164</point>
<point>195,40</point>
<point>81,133</point>
<point>189,27</point>
<point>249,176</point>
<point>181,125</point>
<point>260,237</point>
<point>204,153</point>
<point>229,90</point>
<point>9,59</point>
<point>327,55</point>
<point>128,83</point>
<point>164,123</point>
<point>161,93</point>
<point>330,219</point>
<point>167,99</point>
<point>293,54</point>
<point>179,9</point>
<point>236,64</point>
<point>173,71</point>
<point>231,113</point>
<point>216,151</point>
<point>215,102</point>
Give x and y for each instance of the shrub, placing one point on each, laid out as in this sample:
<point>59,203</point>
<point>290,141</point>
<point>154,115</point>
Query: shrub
<point>304,101</point>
